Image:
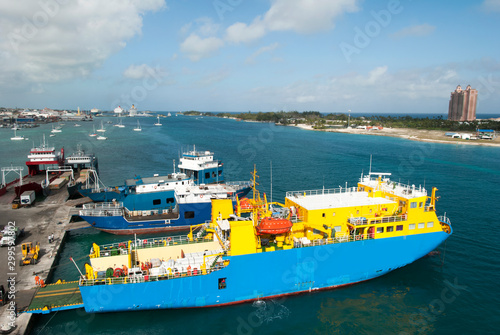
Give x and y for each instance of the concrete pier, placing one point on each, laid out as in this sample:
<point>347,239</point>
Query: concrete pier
<point>50,216</point>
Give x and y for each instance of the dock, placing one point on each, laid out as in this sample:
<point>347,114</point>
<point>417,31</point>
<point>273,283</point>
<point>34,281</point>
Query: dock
<point>50,216</point>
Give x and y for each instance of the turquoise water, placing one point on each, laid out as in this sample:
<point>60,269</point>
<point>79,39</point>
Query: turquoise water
<point>453,292</point>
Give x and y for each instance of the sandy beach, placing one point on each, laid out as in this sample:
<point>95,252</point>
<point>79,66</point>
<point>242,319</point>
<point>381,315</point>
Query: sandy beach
<point>436,136</point>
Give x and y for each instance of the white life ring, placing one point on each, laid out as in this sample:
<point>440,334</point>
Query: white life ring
<point>201,195</point>
<point>155,187</point>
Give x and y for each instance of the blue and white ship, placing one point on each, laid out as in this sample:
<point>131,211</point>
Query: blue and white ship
<point>158,192</point>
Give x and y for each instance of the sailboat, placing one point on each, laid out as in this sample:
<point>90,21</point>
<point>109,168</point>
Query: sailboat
<point>101,138</point>
<point>101,130</point>
<point>93,134</point>
<point>158,122</point>
<point>16,137</point>
<point>169,114</point>
<point>138,126</point>
<point>120,125</point>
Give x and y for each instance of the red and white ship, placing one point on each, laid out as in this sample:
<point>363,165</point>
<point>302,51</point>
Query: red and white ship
<point>43,155</point>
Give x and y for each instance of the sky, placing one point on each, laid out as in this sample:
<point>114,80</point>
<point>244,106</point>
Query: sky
<point>238,55</point>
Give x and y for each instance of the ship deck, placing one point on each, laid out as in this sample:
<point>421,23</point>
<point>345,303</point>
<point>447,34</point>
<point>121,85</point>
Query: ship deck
<point>55,297</point>
<point>319,200</point>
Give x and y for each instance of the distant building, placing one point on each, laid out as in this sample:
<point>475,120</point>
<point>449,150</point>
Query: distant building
<point>463,104</point>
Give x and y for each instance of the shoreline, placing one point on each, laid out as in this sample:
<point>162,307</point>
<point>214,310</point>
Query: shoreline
<point>434,136</point>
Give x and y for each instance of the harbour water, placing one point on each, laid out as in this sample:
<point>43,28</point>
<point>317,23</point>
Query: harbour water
<point>454,291</point>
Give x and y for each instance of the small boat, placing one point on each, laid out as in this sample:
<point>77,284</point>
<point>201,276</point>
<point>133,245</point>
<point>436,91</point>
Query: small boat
<point>77,125</point>
<point>138,128</point>
<point>56,130</point>
<point>120,125</point>
<point>101,130</point>
<point>93,134</point>
<point>158,122</point>
<point>101,138</point>
<point>273,226</point>
<point>52,135</point>
<point>16,137</point>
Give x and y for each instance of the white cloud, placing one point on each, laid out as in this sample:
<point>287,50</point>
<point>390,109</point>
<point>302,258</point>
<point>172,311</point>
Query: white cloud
<point>243,33</point>
<point>417,30</point>
<point>378,90</point>
<point>50,41</point>
<point>491,5</point>
<point>301,16</point>
<point>268,48</point>
<point>201,43</point>
<point>197,48</point>
<point>306,16</point>
<point>143,71</point>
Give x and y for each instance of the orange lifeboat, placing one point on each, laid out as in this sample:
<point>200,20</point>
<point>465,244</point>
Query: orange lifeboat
<point>274,226</point>
<point>245,204</point>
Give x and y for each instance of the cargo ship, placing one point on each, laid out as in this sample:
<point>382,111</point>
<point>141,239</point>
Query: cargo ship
<point>318,239</point>
<point>158,192</point>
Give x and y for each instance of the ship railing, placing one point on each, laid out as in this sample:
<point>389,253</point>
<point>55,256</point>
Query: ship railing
<point>103,205</point>
<point>396,188</point>
<point>217,264</point>
<point>299,243</point>
<point>297,194</point>
<point>239,183</point>
<point>101,212</point>
<point>444,219</point>
<point>388,219</point>
<point>113,249</point>
<point>296,218</point>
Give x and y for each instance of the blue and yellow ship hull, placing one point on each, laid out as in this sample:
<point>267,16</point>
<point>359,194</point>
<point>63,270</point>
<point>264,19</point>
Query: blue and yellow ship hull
<point>268,274</point>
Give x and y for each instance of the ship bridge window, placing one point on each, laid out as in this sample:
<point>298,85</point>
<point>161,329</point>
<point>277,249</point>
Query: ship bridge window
<point>421,225</point>
<point>411,226</point>
<point>390,229</point>
<point>420,204</point>
<point>413,205</point>
<point>380,230</point>
<point>189,215</point>
<point>323,215</point>
<point>222,283</point>
<point>170,200</point>
<point>430,224</point>
<point>220,172</point>
<point>207,175</point>
<point>157,202</point>
<point>213,175</point>
<point>399,227</point>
